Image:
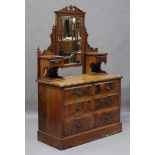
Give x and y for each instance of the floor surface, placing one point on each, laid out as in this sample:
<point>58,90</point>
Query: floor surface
<point>118,144</point>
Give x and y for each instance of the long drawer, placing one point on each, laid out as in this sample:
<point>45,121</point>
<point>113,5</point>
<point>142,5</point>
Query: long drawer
<point>77,125</point>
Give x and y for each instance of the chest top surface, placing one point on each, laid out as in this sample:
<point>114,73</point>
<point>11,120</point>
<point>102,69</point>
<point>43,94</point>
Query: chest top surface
<point>80,79</point>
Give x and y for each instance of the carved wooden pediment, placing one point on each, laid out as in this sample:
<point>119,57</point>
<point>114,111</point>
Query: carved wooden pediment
<point>70,9</point>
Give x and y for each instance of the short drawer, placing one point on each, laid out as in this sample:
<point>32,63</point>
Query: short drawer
<point>106,102</point>
<point>101,58</point>
<point>78,108</point>
<point>106,118</point>
<point>107,87</point>
<point>78,125</point>
<point>80,92</point>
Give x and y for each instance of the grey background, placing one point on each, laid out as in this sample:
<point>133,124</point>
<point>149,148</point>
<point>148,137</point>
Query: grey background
<point>107,23</point>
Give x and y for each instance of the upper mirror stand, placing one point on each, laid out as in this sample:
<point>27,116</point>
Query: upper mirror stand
<point>69,46</point>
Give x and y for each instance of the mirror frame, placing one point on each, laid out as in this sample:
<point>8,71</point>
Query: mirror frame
<point>54,46</point>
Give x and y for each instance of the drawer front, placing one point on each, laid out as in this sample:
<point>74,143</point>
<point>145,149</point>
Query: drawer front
<point>78,125</point>
<point>56,62</point>
<point>106,87</point>
<point>106,118</point>
<point>78,108</point>
<point>80,92</point>
<point>106,102</point>
<point>101,58</point>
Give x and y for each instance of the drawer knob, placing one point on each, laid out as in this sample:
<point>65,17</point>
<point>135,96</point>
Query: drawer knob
<point>107,117</point>
<point>78,108</point>
<point>78,125</point>
<point>79,93</point>
<point>108,103</point>
<point>107,88</point>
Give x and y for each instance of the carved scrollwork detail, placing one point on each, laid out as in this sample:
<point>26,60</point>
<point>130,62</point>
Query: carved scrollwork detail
<point>52,48</point>
<point>88,47</point>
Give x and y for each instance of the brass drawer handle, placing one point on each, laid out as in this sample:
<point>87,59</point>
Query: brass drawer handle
<point>107,117</point>
<point>78,125</point>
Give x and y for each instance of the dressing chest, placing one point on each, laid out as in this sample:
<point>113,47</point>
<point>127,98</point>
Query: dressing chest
<point>73,110</point>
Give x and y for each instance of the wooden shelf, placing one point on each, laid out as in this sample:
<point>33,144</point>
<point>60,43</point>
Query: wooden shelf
<point>72,65</point>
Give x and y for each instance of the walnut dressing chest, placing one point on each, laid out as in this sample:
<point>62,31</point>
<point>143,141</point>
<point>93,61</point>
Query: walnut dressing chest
<point>73,110</point>
<point>78,109</point>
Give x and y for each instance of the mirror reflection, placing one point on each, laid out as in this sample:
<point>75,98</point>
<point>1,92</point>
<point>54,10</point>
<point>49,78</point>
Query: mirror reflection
<point>70,39</point>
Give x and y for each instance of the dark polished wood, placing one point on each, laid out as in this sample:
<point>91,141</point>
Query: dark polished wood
<point>83,137</point>
<point>78,108</point>
<point>66,110</point>
<point>86,57</point>
<point>74,110</point>
<point>72,126</point>
<point>50,109</point>
<point>75,93</point>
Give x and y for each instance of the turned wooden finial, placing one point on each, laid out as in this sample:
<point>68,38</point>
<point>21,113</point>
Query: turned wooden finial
<point>38,49</point>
